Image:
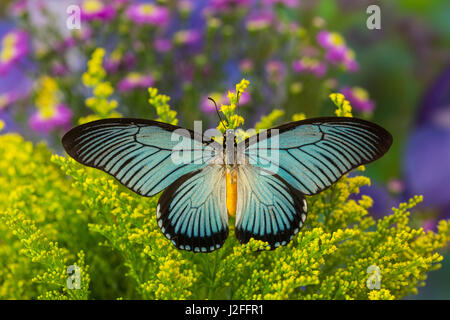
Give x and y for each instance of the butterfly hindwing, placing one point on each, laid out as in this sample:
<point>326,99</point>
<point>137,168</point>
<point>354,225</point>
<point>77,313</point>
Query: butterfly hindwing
<point>315,153</point>
<point>268,208</point>
<point>136,152</point>
<point>192,211</point>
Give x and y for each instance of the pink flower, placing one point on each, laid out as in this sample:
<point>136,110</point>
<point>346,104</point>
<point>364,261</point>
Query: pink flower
<point>208,106</point>
<point>60,118</point>
<point>336,51</point>
<point>116,61</point>
<point>13,47</point>
<point>19,8</point>
<point>187,37</point>
<point>259,20</point>
<point>358,98</point>
<point>97,10</point>
<point>221,98</point>
<point>287,3</point>
<point>135,80</point>
<point>310,65</point>
<point>224,5</point>
<point>162,45</point>
<point>147,13</point>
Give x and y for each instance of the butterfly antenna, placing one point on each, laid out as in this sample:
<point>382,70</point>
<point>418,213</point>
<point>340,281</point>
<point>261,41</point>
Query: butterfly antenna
<point>238,95</point>
<point>217,110</point>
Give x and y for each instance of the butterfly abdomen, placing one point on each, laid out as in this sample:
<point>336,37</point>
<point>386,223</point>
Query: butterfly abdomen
<point>231,192</point>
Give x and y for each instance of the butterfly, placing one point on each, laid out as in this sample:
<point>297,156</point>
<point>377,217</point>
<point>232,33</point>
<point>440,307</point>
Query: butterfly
<point>199,194</point>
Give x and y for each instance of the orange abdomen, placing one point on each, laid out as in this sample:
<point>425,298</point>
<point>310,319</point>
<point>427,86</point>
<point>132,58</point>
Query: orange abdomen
<point>231,192</point>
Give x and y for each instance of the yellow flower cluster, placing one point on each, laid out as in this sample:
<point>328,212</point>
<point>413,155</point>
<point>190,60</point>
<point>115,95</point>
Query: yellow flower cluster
<point>268,121</point>
<point>47,96</point>
<point>233,120</point>
<point>344,109</point>
<point>33,262</point>
<point>160,103</point>
<point>100,103</point>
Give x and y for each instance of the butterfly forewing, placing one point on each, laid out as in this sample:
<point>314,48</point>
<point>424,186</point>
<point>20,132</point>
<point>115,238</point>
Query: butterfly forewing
<point>136,152</point>
<point>315,153</point>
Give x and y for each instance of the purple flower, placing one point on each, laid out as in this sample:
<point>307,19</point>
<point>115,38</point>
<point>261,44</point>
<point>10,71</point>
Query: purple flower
<point>147,13</point>
<point>97,10</point>
<point>116,60</point>
<point>58,69</point>
<point>225,5</point>
<point>310,65</point>
<point>162,45</point>
<point>427,164</point>
<point>337,53</point>
<point>358,98</point>
<point>135,80</point>
<point>287,3</point>
<point>221,98</point>
<point>13,47</point>
<point>259,20</point>
<point>7,99</point>
<point>208,106</point>
<point>187,37</point>
<point>60,118</point>
<point>19,8</point>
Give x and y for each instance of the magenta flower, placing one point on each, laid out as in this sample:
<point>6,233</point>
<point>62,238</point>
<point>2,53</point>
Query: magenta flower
<point>287,3</point>
<point>208,106</point>
<point>358,98</point>
<point>60,118</point>
<point>13,47</point>
<point>337,53</point>
<point>259,20</point>
<point>97,10</point>
<point>310,65</point>
<point>19,8</point>
<point>162,45</point>
<point>224,5</point>
<point>221,98</point>
<point>147,13</point>
<point>135,80</point>
<point>116,60</point>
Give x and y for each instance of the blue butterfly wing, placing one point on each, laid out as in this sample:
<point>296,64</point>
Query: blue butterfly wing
<point>268,208</point>
<point>136,152</point>
<point>192,211</point>
<point>315,153</point>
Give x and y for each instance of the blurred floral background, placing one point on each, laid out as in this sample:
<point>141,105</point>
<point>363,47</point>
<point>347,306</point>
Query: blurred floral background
<point>293,52</point>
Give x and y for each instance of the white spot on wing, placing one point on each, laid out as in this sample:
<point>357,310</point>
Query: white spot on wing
<point>303,217</point>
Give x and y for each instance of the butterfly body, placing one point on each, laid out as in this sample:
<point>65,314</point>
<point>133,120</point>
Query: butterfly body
<point>261,181</point>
